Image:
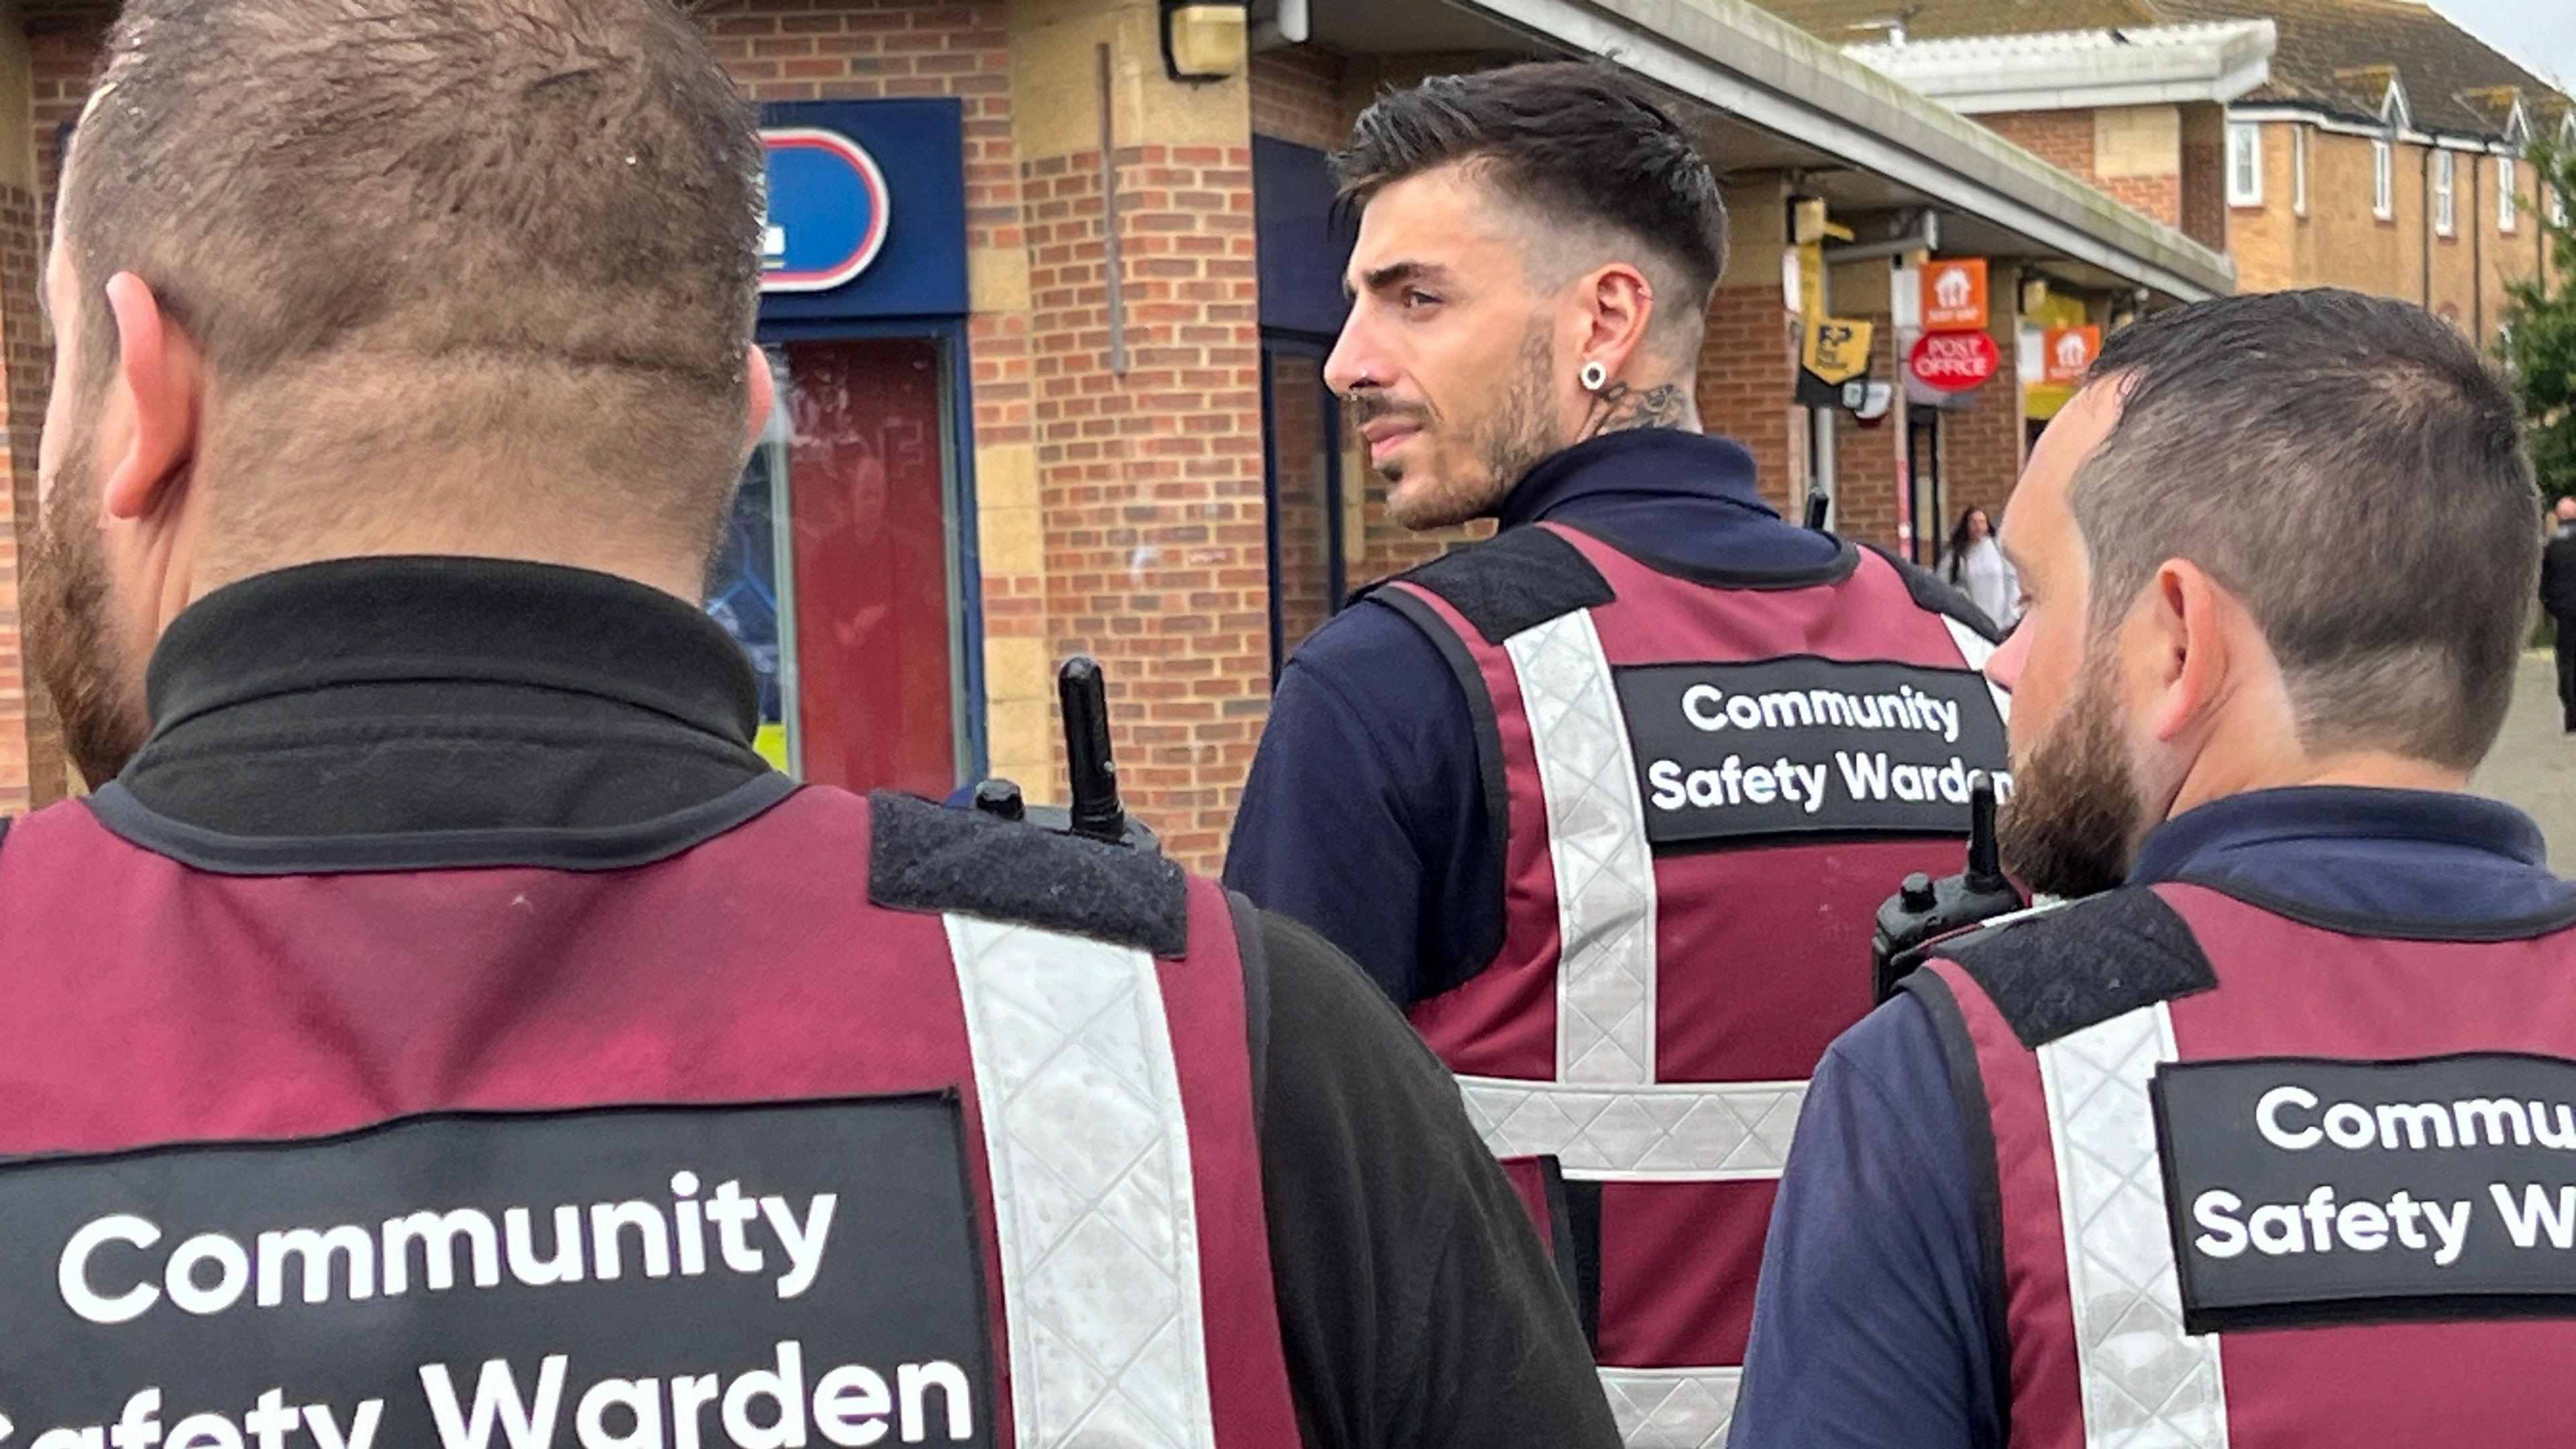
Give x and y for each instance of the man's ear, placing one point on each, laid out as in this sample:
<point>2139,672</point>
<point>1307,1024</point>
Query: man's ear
<point>760,394</point>
<point>163,377</point>
<point>1619,303</point>
<point>2181,644</point>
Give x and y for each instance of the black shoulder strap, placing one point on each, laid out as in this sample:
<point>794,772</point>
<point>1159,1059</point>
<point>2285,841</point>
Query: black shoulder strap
<point>2056,972</point>
<point>1938,595</point>
<point>1519,578</point>
<point>926,857</point>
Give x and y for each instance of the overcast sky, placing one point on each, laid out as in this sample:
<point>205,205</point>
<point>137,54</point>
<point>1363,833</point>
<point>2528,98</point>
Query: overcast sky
<point>2539,33</point>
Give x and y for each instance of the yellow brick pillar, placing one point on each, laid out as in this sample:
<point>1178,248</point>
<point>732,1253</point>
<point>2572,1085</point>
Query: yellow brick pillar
<point>1145,406</point>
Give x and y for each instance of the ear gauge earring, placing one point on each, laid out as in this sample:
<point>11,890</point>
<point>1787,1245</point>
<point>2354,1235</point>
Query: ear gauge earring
<point>1594,376</point>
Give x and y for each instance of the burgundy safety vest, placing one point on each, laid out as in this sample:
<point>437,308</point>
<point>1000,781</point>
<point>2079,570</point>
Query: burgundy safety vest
<point>2271,1185</point>
<point>1704,788</point>
<point>707,1149</point>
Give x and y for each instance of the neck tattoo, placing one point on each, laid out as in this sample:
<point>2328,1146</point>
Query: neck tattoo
<point>1620,408</point>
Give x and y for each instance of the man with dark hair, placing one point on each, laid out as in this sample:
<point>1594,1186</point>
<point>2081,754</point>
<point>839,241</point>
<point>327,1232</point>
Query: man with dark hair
<point>2558,600</point>
<point>1606,801</point>
<point>439,987</point>
<point>2261,1140</point>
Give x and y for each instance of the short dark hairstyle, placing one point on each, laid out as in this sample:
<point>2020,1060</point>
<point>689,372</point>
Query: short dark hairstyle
<point>2351,469</point>
<point>1575,141</point>
<point>508,218</point>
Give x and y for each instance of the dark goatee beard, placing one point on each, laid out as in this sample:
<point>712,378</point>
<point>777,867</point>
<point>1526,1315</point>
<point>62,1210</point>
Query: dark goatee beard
<point>1513,438</point>
<point>2071,826</point>
<point>65,591</point>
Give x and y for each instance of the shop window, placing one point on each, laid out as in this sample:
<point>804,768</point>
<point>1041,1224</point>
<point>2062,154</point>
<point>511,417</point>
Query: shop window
<point>2507,203</point>
<point>2299,170</point>
<point>2244,164</point>
<point>1303,442</point>
<point>835,570</point>
<point>2383,202</point>
<point>2444,215</point>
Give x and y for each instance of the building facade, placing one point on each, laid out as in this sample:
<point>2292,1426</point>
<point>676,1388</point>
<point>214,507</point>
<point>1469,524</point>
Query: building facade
<point>1050,286</point>
<point>2372,144</point>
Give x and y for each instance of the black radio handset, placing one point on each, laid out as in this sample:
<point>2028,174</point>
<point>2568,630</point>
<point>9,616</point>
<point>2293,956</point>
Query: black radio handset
<point>1924,910</point>
<point>1095,812</point>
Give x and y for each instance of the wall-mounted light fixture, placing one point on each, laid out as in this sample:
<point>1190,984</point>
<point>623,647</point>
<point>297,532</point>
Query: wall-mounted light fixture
<point>1203,40</point>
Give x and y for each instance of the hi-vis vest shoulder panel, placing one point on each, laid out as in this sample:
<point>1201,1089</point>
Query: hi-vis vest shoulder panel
<point>1705,789</point>
<point>2271,1184</point>
<point>711,1151</point>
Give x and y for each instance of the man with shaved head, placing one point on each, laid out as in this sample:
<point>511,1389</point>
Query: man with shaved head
<point>441,1026</point>
<point>1609,801</point>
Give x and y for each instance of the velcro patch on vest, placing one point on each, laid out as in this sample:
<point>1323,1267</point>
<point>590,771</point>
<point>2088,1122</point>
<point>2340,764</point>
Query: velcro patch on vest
<point>1807,746</point>
<point>2308,1190</point>
<point>716,1276</point>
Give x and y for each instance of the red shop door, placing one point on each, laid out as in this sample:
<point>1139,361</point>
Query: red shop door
<point>856,650</point>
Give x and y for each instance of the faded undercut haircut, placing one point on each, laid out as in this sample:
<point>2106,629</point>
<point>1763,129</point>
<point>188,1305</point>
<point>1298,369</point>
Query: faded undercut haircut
<point>409,231</point>
<point>1595,161</point>
<point>2353,471</point>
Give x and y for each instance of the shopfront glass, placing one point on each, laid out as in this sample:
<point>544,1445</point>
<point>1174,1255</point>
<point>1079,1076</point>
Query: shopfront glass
<point>834,572</point>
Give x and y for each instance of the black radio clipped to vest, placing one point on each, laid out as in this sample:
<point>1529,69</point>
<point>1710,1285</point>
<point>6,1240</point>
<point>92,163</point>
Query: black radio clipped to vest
<point>1095,812</point>
<point>1924,910</point>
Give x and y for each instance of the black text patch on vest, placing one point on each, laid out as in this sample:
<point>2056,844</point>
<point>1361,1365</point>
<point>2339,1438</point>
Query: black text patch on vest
<point>1807,746</point>
<point>2315,1191</point>
<point>670,1276</point>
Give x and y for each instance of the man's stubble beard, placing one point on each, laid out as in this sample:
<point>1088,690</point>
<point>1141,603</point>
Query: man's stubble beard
<point>1518,432</point>
<point>2072,824</point>
<point>69,639</point>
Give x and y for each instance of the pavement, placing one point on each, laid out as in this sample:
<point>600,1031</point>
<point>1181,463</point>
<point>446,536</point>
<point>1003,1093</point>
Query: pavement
<point>2534,764</point>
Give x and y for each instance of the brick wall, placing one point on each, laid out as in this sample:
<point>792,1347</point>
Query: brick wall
<point>32,762</point>
<point>63,41</point>
<point>1298,95</point>
<point>1155,547</point>
<point>2064,139</point>
<point>2204,175</point>
<point>1748,366</point>
<point>2158,196</point>
<point>1869,459</point>
<point>2341,243</point>
<point>1982,445</point>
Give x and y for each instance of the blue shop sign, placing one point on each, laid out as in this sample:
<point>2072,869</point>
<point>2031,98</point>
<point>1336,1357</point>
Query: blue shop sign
<point>828,210</point>
<point>867,210</point>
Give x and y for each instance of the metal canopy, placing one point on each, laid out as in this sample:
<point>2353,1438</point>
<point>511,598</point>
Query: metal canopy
<point>1766,98</point>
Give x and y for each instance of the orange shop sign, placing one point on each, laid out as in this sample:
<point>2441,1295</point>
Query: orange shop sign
<point>1954,295</point>
<point>2065,352</point>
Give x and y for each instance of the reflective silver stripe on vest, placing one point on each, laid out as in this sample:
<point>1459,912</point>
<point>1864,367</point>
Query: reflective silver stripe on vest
<point>1672,1408</point>
<point>2146,1383</point>
<point>1092,1196</point>
<point>1596,838</point>
<point>1683,1131</point>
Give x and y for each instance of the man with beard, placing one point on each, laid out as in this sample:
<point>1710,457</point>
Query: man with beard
<point>403,379</point>
<point>2262,1140</point>
<point>1608,802</point>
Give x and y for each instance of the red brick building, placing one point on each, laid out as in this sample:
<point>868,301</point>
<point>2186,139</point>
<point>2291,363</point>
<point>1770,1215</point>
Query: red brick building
<point>1051,284</point>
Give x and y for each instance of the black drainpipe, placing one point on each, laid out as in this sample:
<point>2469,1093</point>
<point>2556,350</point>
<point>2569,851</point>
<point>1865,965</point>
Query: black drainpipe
<point>2427,191</point>
<point>2477,249</point>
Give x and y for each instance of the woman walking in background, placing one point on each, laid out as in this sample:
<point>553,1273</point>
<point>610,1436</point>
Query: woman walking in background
<point>1975,565</point>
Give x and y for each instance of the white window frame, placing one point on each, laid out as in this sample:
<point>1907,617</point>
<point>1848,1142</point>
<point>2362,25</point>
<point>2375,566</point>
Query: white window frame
<point>2557,207</point>
<point>2299,170</point>
<point>2446,215</point>
<point>2244,163</point>
<point>2508,206</point>
<point>2383,188</point>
